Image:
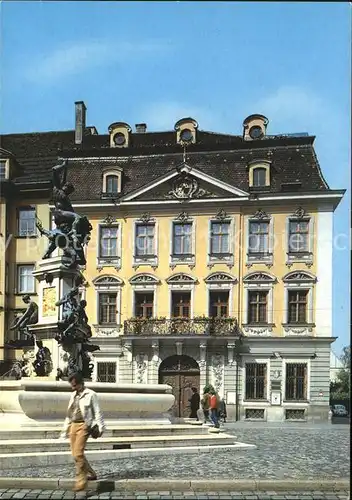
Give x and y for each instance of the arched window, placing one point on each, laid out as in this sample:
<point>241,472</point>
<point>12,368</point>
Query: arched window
<point>112,184</point>
<point>259,177</point>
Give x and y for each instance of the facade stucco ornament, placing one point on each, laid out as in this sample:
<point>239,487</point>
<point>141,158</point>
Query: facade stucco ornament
<point>261,215</point>
<point>292,330</point>
<point>183,217</point>
<point>106,332</point>
<point>155,349</point>
<point>27,363</point>
<point>258,330</point>
<point>230,352</point>
<point>179,346</point>
<point>218,372</point>
<point>202,354</point>
<point>186,187</point>
<point>222,215</point>
<point>109,219</point>
<point>141,365</point>
<point>299,213</point>
<point>145,218</point>
<point>127,350</point>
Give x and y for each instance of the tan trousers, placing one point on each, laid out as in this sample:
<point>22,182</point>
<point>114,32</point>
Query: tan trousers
<point>78,439</point>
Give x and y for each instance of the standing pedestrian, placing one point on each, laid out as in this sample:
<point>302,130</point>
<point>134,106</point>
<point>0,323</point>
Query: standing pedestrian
<point>195,402</point>
<point>206,406</point>
<point>214,408</point>
<point>83,419</point>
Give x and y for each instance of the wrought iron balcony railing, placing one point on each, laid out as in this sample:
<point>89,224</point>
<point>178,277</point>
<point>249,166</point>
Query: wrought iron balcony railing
<point>148,327</point>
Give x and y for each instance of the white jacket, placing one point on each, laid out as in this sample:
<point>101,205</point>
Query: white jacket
<point>89,406</point>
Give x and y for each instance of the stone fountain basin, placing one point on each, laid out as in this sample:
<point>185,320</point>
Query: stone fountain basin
<point>26,403</point>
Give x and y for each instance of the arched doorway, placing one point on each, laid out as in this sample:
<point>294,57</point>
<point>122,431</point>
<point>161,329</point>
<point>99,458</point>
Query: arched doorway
<point>182,373</point>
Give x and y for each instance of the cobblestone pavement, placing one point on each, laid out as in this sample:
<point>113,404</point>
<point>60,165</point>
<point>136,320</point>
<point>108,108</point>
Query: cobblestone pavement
<point>169,495</point>
<point>283,452</point>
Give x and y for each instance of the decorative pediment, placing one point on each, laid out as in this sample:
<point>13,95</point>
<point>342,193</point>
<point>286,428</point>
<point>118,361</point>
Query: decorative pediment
<point>146,218</point>
<point>259,277</point>
<point>261,215</point>
<point>107,281</point>
<point>220,278</point>
<point>222,215</point>
<point>184,183</point>
<point>183,217</point>
<point>144,279</point>
<point>109,219</point>
<point>299,213</point>
<point>181,278</point>
<point>299,277</point>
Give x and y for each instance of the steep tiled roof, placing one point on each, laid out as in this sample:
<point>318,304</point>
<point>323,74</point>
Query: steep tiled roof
<point>152,154</point>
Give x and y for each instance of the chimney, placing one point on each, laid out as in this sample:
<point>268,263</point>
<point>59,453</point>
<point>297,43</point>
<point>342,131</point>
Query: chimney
<point>141,128</point>
<point>80,121</point>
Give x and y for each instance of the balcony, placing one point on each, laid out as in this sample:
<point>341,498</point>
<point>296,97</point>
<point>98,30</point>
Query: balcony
<point>163,327</point>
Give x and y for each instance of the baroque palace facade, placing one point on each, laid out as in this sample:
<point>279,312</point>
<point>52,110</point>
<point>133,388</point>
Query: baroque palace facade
<point>210,259</point>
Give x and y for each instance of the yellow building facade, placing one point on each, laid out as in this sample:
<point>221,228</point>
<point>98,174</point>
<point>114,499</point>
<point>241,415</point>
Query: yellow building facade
<point>210,259</point>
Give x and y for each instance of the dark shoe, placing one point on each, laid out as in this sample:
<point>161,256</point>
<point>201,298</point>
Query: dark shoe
<point>92,477</point>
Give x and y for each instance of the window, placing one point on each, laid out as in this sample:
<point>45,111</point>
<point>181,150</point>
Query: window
<point>296,381</point>
<point>145,240</point>
<point>108,241</point>
<point>298,236</point>
<point>257,306</point>
<point>112,184</point>
<point>259,177</point>
<point>182,239</point>
<point>219,238</point>
<point>258,238</point>
<point>25,279</point>
<point>181,304</point>
<point>255,381</point>
<point>297,306</point>
<point>144,304</point>
<point>107,308</point>
<point>2,169</point>
<point>106,372</point>
<point>26,222</point>
<point>219,304</point>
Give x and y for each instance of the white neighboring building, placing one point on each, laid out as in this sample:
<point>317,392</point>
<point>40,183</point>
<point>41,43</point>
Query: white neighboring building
<point>335,366</point>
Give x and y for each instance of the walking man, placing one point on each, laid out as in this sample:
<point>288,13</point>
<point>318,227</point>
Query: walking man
<point>83,414</point>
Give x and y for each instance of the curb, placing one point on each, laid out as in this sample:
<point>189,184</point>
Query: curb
<point>182,484</point>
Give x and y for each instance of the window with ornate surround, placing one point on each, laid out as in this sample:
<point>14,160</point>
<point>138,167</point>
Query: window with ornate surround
<point>299,290</point>
<point>259,237</point>
<point>108,312</point>
<point>300,237</point>
<point>145,238</point>
<point>109,248</point>
<point>183,241</point>
<point>256,381</point>
<point>181,283</point>
<point>144,285</point>
<point>221,283</point>
<point>258,282</point>
<point>221,235</point>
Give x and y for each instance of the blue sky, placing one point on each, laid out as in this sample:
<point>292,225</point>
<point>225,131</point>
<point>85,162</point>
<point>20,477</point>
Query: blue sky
<point>156,62</point>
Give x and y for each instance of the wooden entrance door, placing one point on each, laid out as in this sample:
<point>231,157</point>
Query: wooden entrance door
<point>181,373</point>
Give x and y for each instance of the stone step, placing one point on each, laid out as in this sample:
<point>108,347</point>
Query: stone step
<point>23,446</point>
<point>35,459</point>
<point>111,431</point>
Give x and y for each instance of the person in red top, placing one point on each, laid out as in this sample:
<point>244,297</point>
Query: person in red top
<point>214,408</point>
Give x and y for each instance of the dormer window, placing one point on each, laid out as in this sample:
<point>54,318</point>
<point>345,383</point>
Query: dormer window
<point>259,177</point>
<point>254,127</point>
<point>259,173</point>
<point>112,182</point>
<point>186,131</point>
<point>119,135</point>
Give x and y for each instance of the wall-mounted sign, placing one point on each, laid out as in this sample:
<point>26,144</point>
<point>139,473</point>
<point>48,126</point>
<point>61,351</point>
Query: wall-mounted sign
<point>276,398</point>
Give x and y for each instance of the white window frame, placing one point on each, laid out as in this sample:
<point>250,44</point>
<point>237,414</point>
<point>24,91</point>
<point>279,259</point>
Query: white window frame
<point>221,285</point>
<point>117,173</point>
<point>267,259</point>
<point>186,286</point>
<point>113,287</point>
<point>266,165</point>
<point>107,261</point>
<point>286,361</point>
<point>24,292</point>
<point>182,260</point>
<point>306,257</point>
<point>140,260</point>
<point>27,208</point>
<point>254,403</point>
<point>257,285</point>
<point>6,163</point>
<point>226,259</point>
<point>293,285</point>
<point>146,285</point>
